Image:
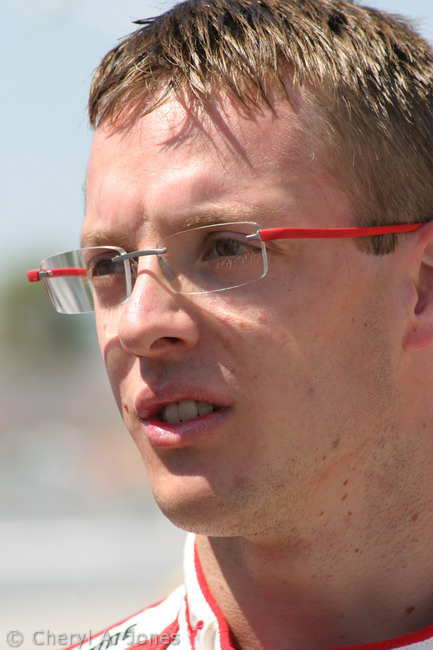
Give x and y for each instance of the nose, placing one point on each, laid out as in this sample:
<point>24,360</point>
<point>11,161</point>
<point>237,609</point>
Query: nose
<point>156,322</point>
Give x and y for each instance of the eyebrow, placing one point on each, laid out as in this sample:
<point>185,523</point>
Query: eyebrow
<point>104,238</point>
<point>236,213</point>
<point>208,218</point>
<point>108,238</point>
<point>240,212</point>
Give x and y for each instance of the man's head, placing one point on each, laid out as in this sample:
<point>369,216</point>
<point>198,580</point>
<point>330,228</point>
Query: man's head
<point>272,115</point>
<point>363,78</point>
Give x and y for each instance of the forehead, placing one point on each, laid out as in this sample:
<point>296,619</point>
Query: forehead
<point>177,163</point>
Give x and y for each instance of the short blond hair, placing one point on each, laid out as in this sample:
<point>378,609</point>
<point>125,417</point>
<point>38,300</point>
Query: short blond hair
<point>368,73</point>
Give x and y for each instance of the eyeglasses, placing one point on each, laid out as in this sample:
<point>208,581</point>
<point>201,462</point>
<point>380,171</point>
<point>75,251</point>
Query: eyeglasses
<point>200,260</point>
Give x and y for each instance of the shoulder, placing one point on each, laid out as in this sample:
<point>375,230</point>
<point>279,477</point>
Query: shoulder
<point>155,626</point>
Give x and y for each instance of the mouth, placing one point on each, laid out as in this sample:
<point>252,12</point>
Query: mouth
<point>177,407</point>
<point>180,416</point>
<point>187,409</point>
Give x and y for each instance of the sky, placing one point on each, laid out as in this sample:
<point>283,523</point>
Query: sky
<point>50,48</point>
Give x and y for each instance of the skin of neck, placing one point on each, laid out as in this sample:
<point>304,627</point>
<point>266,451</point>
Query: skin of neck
<point>357,567</point>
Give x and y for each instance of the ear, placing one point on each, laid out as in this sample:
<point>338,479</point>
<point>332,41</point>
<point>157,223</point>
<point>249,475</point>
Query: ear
<point>420,332</point>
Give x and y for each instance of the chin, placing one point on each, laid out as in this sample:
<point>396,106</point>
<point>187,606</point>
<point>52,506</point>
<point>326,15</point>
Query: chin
<point>199,494</point>
<point>192,504</point>
<point>201,522</point>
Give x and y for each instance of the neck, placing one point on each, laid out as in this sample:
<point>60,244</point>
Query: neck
<point>357,574</point>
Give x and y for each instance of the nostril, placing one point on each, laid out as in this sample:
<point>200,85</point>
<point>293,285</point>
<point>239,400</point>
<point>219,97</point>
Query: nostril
<point>164,340</point>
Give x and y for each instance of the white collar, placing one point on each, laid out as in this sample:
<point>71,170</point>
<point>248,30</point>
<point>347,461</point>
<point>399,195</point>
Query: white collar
<point>206,626</point>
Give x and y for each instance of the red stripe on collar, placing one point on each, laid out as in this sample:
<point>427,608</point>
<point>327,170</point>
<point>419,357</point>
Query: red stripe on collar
<point>391,644</point>
<point>223,627</point>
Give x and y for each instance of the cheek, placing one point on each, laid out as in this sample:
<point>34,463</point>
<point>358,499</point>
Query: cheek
<point>101,330</point>
<point>105,345</point>
<point>117,362</point>
<point>257,352</point>
<point>311,358</point>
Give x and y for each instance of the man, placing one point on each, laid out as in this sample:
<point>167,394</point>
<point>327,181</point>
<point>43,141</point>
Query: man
<point>276,378</point>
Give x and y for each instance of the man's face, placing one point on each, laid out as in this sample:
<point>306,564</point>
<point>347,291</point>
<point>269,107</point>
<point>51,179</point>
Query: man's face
<point>298,363</point>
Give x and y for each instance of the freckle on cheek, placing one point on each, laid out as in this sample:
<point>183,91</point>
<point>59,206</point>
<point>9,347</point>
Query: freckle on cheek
<point>125,406</point>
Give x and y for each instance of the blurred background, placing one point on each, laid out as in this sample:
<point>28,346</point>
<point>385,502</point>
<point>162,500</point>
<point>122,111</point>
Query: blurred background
<point>81,543</point>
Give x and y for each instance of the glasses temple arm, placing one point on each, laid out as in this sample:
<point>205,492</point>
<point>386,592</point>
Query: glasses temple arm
<point>38,275</point>
<point>269,234</point>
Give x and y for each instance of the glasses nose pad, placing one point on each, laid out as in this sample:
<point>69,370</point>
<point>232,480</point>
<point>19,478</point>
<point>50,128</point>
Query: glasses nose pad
<point>166,269</point>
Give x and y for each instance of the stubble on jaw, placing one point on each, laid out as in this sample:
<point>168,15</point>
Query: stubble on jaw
<point>281,499</point>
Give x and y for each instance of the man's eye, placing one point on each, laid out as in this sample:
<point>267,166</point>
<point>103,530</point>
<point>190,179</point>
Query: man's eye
<point>225,247</point>
<point>105,267</point>
<point>229,247</point>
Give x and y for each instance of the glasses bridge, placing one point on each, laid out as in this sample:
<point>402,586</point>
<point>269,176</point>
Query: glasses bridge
<point>128,256</point>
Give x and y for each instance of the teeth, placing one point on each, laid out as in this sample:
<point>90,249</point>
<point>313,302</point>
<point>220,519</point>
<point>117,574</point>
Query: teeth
<point>204,408</point>
<point>187,409</point>
<point>170,413</point>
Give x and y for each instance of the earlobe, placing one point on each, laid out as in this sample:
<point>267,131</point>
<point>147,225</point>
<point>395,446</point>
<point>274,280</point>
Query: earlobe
<point>420,334</point>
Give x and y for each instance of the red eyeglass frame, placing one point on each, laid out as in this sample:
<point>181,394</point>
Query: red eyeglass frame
<point>267,234</point>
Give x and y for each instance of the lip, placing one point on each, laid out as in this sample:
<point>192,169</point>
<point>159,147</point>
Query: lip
<point>148,405</point>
